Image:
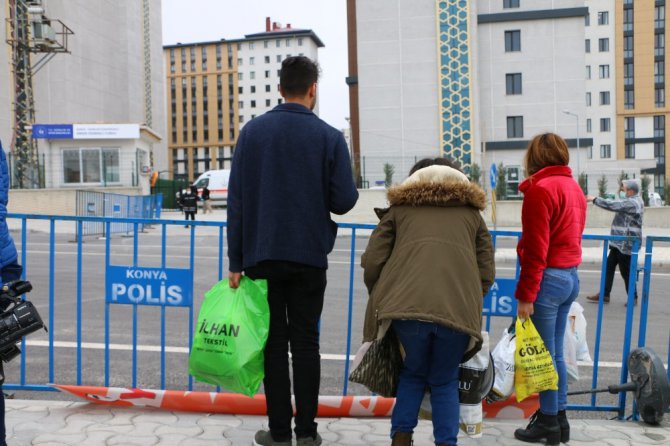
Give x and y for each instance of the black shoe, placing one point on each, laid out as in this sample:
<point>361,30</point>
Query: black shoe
<point>540,427</point>
<point>596,298</point>
<point>564,425</point>
<point>402,439</point>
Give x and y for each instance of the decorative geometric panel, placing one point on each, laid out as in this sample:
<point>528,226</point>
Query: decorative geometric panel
<point>455,81</point>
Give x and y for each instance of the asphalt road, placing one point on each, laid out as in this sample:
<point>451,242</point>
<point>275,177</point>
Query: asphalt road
<point>333,326</point>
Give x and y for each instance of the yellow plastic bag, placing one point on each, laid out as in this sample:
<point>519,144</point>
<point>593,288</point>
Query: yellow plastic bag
<point>534,369</point>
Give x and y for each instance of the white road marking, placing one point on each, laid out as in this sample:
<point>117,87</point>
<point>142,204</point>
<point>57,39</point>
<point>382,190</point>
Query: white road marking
<point>172,349</point>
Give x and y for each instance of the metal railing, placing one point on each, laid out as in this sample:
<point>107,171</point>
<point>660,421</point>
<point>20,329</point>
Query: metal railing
<point>134,253</point>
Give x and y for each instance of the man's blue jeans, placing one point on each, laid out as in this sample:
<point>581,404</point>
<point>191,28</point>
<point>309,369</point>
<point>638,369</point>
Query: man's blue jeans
<point>433,353</point>
<point>558,289</point>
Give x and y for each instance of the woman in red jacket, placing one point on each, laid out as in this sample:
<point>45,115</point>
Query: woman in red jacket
<point>550,250</point>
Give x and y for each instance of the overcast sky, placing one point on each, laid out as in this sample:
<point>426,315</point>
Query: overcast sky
<point>188,21</point>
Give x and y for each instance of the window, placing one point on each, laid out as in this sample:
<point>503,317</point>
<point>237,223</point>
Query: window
<point>605,124</point>
<point>587,19</point>
<point>241,119</point>
<point>603,18</point>
<point>252,60</point>
<point>267,74</point>
<point>253,89</point>
<point>252,75</point>
<point>251,45</point>
<point>299,41</point>
<point>588,72</point>
<point>240,76</point>
<point>659,152</point>
<point>267,59</point>
<point>510,4</point>
<point>240,90</point>
<point>240,104</point>
<point>279,101</point>
<point>267,102</point>
<point>604,98</point>
<point>628,46</point>
<point>239,61</point>
<point>659,17</point>
<point>91,165</point>
<point>659,126</point>
<point>513,83</point>
<point>629,128</point>
<point>253,104</point>
<point>288,42</point>
<point>627,20</point>
<point>604,71</point>
<point>629,151</point>
<point>267,88</point>
<point>588,125</point>
<point>659,44</point>
<point>587,45</point>
<point>659,72</point>
<point>659,97</point>
<point>266,43</point>
<point>278,43</point>
<point>204,58</point>
<point>589,152</point>
<point>515,126</point>
<point>603,45</point>
<point>628,74</point>
<point>588,98</point>
<point>628,99</point>
<point>605,151</point>
<point>278,57</point>
<point>512,41</point>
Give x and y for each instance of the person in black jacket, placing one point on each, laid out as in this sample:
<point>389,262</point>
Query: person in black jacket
<point>206,204</point>
<point>189,202</point>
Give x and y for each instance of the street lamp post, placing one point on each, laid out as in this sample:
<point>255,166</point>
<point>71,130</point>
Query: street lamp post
<point>568,112</point>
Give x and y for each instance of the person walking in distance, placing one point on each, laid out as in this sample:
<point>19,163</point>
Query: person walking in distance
<point>189,202</point>
<point>290,171</point>
<point>206,203</point>
<point>553,215</point>
<point>627,221</point>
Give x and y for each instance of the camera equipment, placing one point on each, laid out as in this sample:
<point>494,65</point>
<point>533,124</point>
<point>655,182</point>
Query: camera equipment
<point>18,319</point>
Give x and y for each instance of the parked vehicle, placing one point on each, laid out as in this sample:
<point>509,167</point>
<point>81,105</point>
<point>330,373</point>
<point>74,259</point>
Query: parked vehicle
<point>217,183</point>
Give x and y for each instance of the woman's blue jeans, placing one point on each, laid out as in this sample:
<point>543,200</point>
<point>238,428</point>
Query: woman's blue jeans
<point>558,289</point>
<point>433,353</point>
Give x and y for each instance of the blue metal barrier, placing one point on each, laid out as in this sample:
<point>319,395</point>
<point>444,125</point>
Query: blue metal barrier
<point>135,229</point>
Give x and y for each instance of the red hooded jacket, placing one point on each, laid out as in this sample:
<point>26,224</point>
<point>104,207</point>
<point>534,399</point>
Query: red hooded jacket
<point>552,218</point>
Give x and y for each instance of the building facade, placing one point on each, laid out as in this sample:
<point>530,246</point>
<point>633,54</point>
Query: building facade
<point>104,79</point>
<point>470,80</point>
<point>214,88</point>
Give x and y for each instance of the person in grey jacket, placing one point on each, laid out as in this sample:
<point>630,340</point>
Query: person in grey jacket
<point>627,221</point>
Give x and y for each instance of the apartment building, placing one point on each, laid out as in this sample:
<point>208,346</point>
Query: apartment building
<point>642,110</point>
<point>470,80</point>
<point>215,87</point>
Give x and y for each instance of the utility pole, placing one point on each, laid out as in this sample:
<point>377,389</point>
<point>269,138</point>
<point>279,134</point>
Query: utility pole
<point>30,32</point>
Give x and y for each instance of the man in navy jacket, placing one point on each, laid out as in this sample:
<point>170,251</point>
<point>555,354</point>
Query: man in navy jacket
<point>290,171</point>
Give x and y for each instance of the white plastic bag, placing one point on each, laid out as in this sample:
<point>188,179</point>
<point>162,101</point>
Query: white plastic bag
<point>570,356</point>
<point>503,359</point>
<point>362,350</point>
<point>577,326</point>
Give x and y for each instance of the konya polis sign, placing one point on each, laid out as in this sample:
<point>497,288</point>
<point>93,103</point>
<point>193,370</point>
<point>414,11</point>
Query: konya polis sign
<point>169,287</point>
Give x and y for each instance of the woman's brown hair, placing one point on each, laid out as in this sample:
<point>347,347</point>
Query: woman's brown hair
<point>544,150</point>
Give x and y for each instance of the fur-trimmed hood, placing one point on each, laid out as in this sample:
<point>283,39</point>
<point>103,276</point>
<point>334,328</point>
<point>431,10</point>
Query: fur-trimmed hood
<point>437,186</point>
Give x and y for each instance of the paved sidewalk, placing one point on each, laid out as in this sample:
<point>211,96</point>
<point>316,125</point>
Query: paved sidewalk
<point>54,423</point>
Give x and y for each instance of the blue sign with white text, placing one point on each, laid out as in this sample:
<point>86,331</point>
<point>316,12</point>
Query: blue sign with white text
<point>53,131</point>
<point>493,175</point>
<point>500,300</point>
<point>131,285</point>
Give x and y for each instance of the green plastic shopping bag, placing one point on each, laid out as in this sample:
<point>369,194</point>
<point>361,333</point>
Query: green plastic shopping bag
<point>230,337</point>
<point>534,369</point>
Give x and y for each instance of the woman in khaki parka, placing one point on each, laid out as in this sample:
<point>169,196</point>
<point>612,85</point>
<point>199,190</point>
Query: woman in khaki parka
<point>428,265</point>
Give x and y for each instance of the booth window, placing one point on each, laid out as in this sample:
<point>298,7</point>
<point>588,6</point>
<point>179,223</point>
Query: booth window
<point>90,165</point>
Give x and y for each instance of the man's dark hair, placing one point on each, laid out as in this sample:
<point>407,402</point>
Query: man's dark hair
<point>433,162</point>
<point>298,73</point>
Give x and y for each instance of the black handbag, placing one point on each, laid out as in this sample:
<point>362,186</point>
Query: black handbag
<point>380,367</point>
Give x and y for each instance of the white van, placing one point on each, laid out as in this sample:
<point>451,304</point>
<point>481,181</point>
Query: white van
<point>217,183</point>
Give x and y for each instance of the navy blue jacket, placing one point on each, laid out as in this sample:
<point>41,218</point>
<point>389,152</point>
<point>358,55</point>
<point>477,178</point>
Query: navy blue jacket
<point>290,170</point>
<point>8,254</point>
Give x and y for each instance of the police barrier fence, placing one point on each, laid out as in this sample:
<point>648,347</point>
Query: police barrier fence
<point>96,296</point>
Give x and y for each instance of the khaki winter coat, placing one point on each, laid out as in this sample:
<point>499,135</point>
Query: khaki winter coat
<point>431,257</point>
